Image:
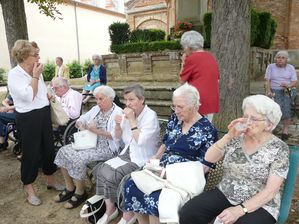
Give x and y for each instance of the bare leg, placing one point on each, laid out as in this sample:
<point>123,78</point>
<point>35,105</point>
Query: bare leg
<point>29,190</point>
<point>69,184</point>
<point>110,207</point>
<point>154,219</point>
<point>286,124</point>
<point>142,219</point>
<point>128,216</point>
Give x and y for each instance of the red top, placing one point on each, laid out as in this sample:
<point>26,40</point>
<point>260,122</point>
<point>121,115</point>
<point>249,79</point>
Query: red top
<point>201,70</point>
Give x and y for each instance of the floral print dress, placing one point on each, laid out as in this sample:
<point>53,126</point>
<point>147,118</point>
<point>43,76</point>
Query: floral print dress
<point>180,147</point>
<point>246,175</point>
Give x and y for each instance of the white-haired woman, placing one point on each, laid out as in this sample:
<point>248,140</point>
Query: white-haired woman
<point>255,165</point>
<point>100,120</point>
<point>200,69</point>
<point>187,138</point>
<point>96,76</point>
<point>281,76</point>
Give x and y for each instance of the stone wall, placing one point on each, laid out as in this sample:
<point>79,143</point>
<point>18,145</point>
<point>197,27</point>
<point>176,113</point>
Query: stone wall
<point>287,17</point>
<point>150,69</point>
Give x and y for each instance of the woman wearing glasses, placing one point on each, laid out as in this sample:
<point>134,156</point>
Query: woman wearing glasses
<point>27,88</point>
<point>255,165</point>
<point>188,136</point>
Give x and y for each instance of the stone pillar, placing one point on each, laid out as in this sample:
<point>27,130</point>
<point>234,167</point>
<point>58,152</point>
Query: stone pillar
<point>191,9</point>
<point>293,35</point>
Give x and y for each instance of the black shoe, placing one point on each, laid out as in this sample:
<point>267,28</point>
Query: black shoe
<point>284,137</point>
<point>3,146</point>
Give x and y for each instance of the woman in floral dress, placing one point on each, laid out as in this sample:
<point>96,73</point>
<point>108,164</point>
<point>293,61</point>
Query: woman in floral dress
<point>187,138</point>
<point>100,120</point>
<point>255,165</point>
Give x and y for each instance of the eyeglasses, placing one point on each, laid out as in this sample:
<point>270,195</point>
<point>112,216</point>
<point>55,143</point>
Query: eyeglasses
<point>254,119</point>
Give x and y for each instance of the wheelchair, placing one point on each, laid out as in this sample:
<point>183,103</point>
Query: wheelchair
<point>13,135</point>
<point>63,135</point>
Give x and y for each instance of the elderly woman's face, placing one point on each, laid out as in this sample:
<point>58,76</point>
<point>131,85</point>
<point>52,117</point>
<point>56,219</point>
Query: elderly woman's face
<point>182,109</point>
<point>281,61</point>
<point>104,102</point>
<point>33,57</point>
<point>256,123</point>
<point>133,102</point>
<point>96,61</point>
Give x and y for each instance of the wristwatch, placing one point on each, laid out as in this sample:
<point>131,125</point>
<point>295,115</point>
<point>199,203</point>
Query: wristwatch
<point>245,210</point>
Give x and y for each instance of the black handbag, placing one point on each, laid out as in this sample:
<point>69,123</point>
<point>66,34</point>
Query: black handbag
<point>93,209</point>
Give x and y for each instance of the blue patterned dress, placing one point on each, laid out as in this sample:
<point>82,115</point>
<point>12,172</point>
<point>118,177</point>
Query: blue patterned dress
<point>180,147</point>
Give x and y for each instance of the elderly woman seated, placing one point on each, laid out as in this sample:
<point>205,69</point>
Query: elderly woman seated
<point>187,138</point>
<point>255,165</point>
<point>139,130</point>
<point>99,120</point>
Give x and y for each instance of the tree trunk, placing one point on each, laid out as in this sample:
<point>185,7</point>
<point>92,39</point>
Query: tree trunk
<point>230,43</point>
<point>15,22</point>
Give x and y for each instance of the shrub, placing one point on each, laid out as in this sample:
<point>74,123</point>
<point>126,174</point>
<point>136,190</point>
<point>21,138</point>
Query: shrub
<point>180,28</point>
<point>75,69</point>
<point>255,21</point>
<point>2,75</point>
<point>147,35</point>
<point>86,65</point>
<point>263,28</point>
<point>49,70</point>
<point>119,33</point>
<point>207,19</point>
<point>266,30</point>
<point>145,47</point>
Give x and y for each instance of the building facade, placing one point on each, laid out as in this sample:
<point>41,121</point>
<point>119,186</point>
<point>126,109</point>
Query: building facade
<point>82,31</point>
<point>163,14</point>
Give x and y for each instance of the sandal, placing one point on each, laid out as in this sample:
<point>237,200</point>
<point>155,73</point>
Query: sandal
<point>64,195</point>
<point>76,200</point>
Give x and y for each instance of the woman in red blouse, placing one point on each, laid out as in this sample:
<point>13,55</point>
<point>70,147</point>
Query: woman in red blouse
<point>200,69</point>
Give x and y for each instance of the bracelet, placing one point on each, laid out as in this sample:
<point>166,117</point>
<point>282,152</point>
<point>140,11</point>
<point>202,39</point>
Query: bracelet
<point>134,128</point>
<point>35,78</point>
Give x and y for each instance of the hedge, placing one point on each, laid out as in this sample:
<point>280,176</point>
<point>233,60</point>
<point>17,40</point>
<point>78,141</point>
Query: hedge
<point>75,69</point>
<point>263,28</point>
<point>147,35</point>
<point>119,33</point>
<point>145,46</point>
<point>49,70</point>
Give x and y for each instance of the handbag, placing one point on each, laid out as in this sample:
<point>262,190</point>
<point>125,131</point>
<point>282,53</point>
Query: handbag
<point>147,182</point>
<point>58,115</point>
<point>84,140</point>
<point>93,209</point>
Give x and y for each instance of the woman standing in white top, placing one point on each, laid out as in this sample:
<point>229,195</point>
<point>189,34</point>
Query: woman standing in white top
<point>26,86</point>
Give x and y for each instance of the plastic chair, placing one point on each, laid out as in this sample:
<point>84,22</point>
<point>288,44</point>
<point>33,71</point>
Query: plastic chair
<point>289,186</point>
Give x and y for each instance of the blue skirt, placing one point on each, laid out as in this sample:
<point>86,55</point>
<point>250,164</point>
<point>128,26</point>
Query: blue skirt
<point>89,87</point>
<point>137,201</point>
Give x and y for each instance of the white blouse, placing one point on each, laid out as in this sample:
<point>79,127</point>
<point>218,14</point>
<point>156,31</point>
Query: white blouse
<point>147,145</point>
<point>22,93</point>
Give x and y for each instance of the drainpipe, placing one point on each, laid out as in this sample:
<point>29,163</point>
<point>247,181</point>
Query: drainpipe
<point>77,32</point>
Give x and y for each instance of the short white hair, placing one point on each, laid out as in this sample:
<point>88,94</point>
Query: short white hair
<point>282,54</point>
<point>192,39</point>
<point>97,56</point>
<point>106,91</point>
<point>190,93</point>
<point>265,106</point>
<point>60,82</point>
